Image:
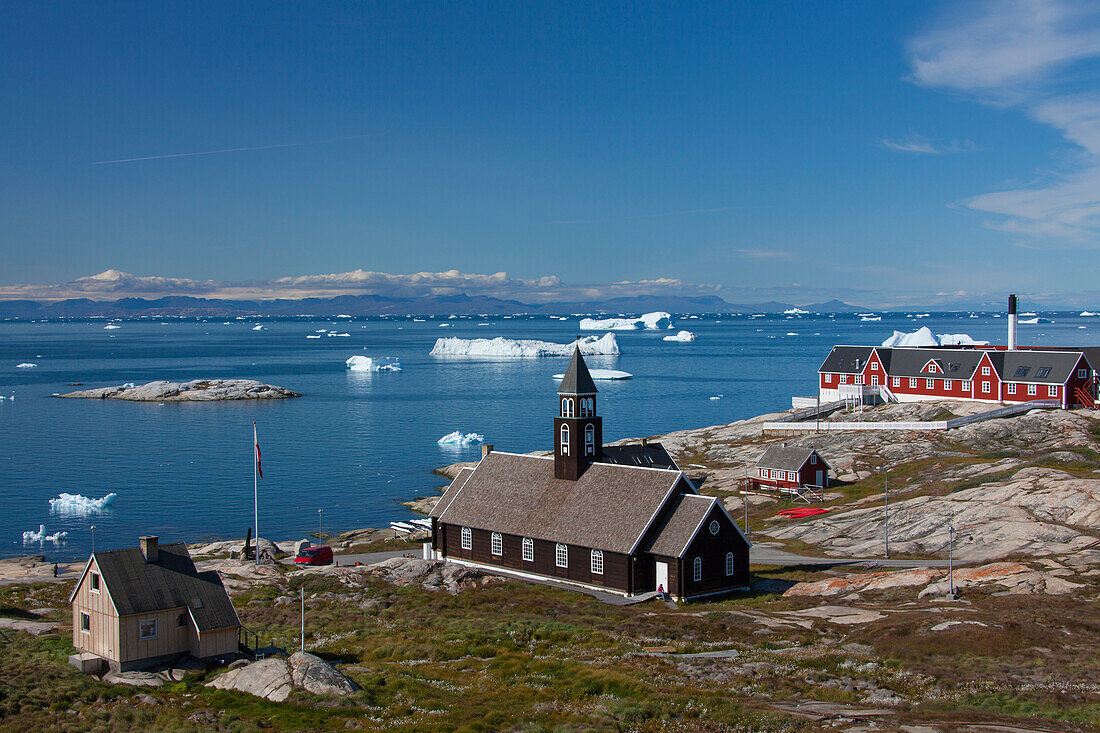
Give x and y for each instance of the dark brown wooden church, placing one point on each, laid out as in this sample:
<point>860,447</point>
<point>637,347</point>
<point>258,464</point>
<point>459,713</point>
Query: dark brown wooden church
<point>623,519</point>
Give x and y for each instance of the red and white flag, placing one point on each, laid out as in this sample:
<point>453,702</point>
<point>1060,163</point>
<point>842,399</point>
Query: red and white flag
<point>256,442</point>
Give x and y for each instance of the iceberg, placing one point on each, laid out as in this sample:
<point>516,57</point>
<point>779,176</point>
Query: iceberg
<point>1086,314</point>
<point>76,505</point>
<point>603,374</point>
<point>657,319</point>
<point>373,364</point>
<point>345,335</point>
<point>25,365</point>
<point>110,327</point>
<point>457,438</point>
<point>40,536</point>
<point>795,312</point>
<point>682,336</point>
<point>257,327</point>
<point>501,347</point>
<point>923,337</point>
<point>1033,321</point>
<point>446,325</point>
<point>870,318</point>
<point>313,336</point>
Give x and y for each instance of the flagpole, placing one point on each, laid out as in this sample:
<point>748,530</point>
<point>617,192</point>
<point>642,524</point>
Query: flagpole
<point>255,493</point>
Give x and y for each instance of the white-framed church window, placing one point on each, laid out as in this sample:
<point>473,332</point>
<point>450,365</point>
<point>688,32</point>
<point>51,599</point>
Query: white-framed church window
<point>698,567</point>
<point>561,555</point>
<point>729,563</point>
<point>589,440</point>
<point>565,440</point>
<point>597,562</point>
<point>467,539</point>
<point>528,549</point>
<point>496,544</point>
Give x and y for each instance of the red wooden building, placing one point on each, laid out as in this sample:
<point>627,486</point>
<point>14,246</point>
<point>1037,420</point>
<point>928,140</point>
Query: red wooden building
<point>786,469</point>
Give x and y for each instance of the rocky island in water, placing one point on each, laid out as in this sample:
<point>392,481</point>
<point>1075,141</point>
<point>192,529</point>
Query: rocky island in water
<point>197,390</point>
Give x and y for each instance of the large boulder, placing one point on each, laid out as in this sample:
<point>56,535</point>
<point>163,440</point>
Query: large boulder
<point>315,675</point>
<point>429,574</point>
<point>267,678</point>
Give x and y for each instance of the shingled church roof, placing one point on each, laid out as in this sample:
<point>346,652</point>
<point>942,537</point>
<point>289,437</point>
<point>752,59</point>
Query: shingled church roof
<point>577,379</point>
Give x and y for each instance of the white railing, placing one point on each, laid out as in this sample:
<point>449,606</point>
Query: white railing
<point>803,427</point>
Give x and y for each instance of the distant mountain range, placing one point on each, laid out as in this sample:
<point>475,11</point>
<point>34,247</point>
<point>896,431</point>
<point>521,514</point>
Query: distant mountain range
<point>377,305</point>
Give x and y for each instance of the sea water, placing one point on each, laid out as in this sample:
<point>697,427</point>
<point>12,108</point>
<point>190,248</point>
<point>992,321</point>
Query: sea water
<point>357,443</point>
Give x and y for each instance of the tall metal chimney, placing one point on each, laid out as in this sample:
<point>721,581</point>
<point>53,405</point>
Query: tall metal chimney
<point>1012,322</point>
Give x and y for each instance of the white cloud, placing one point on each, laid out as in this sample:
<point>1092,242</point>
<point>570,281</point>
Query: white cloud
<point>1030,55</point>
<point>112,284</point>
<point>922,145</point>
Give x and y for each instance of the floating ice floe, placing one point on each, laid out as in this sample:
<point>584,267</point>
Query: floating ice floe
<point>657,319</point>
<point>1029,313</point>
<point>446,325</point>
<point>603,374</point>
<point>501,347</point>
<point>923,336</point>
<point>717,397</point>
<point>868,319</point>
<point>373,364</point>
<point>1085,314</point>
<point>1032,321</point>
<point>258,327</point>
<point>110,327</point>
<point>343,315</point>
<point>339,335</point>
<point>682,336</point>
<point>791,333</point>
<point>77,505</point>
<point>795,312</point>
<point>25,365</point>
<point>40,536</point>
<point>313,336</point>
<point>457,438</point>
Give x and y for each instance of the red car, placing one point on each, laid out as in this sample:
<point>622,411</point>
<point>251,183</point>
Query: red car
<point>321,555</point>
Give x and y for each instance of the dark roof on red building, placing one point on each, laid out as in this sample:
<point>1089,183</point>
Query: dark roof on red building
<point>846,359</point>
<point>1041,367</point>
<point>786,457</point>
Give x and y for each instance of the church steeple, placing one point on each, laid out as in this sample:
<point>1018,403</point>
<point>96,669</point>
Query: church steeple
<point>578,431</point>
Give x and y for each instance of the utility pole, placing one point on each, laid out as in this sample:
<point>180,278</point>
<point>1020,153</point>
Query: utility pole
<point>886,497</point>
<point>950,561</point>
<point>320,535</point>
<point>303,619</point>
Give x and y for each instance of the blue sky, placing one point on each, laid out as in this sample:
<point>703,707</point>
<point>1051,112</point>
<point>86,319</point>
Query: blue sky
<point>747,149</point>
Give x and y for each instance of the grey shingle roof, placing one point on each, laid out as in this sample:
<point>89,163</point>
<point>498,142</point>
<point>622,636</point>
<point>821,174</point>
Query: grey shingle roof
<point>577,379</point>
<point>1041,367</point>
<point>137,586</point>
<point>955,363</point>
<point>785,457</point>
<point>674,533</point>
<point>650,455</point>
<point>451,492</point>
<point>608,508</point>
<point>847,359</point>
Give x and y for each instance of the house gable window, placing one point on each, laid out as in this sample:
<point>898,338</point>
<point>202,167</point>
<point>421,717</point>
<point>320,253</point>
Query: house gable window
<point>561,555</point>
<point>95,583</point>
<point>528,549</point>
<point>813,459</point>
<point>985,371</point>
<point>565,440</point>
<point>467,539</point>
<point>496,544</point>
<point>698,568</point>
<point>729,564</point>
<point>1082,373</point>
<point>597,562</point>
<point>148,628</point>
<point>85,623</point>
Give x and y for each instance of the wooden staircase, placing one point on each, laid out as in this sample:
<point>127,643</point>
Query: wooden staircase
<point>1086,394</point>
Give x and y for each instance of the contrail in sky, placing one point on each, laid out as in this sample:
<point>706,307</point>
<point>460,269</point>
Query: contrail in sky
<point>228,150</point>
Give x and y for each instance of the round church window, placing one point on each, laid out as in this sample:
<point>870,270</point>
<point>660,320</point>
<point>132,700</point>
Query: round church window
<point>714,527</point>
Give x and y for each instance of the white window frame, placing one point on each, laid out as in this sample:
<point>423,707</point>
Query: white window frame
<point>496,544</point>
<point>912,382</point>
<point>1032,389</point>
<point>596,562</point>
<point>93,584</point>
<point>858,379</point>
<point>987,387</point>
<point>843,378</point>
<point>792,476</point>
<point>930,384</point>
<point>813,459</point>
<point>590,439</point>
<point>828,378</point>
<point>565,440</point>
<point>567,407</point>
<point>895,382</point>
<point>467,541</point>
<point>966,385</point>
<point>561,555</point>
<point>1082,373</point>
<point>1011,388</point>
<point>714,527</point>
<point>85,623</point>
<point>730,564</point>
<point>528,549</point>
<point>697,569</point>
<point>947,385</point>
<point>874,380</point>
<point>142,625</point>
<point>985,371</point>
<point>1052,390</point>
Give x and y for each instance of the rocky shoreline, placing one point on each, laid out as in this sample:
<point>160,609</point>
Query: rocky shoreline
<point>197,390</point>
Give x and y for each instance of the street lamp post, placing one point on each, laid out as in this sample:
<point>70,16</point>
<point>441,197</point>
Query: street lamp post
<point>950,561</point>
<point>886,499</point>
<point>320,534</point>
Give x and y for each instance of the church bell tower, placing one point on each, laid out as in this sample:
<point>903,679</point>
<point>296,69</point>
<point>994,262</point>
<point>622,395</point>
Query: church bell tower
<point>578,431</point>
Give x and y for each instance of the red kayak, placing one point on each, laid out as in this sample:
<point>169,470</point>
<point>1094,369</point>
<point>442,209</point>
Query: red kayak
<point>808,511</point>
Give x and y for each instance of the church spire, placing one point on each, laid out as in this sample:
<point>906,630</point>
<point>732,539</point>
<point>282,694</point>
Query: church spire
<point>578,431</point>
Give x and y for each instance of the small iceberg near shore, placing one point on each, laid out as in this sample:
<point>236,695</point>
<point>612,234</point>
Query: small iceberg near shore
<point>25,365</point>
<point>258,327</point>
<point>111,327</point>
<point>658,319</point>
<point>681,337</point>
<point>458,439</point>
<point>40,536</point>
<point>75,505</point>
<point>1033,321</point>
<point>606,374</point>
<point>373,364</point>
<point>501,347</point>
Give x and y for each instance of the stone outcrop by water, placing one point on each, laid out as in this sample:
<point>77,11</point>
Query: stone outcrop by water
<point>197,390</point>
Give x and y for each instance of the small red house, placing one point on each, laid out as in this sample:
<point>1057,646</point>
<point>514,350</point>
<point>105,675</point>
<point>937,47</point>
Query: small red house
<point>788,468</point>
